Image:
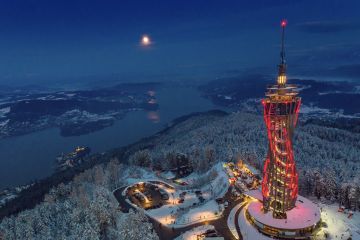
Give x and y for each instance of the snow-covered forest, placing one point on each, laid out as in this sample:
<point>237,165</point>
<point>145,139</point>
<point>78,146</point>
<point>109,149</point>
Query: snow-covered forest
<point>327,160</point>
<point>83,209</point>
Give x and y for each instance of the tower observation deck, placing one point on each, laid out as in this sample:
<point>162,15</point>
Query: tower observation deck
<point>281,108</point>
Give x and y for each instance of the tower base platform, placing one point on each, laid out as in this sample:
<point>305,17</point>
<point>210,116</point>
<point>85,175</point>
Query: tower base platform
<point>302,221</point>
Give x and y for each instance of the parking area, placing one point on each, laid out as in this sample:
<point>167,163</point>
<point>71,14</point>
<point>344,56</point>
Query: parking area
<point>174,209</point>
<point>147,195</point>
<point>211,233</point>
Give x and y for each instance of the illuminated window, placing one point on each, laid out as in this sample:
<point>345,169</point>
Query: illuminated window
<point>282,79</point>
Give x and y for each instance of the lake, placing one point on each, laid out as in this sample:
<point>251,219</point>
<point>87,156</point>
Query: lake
<point>29,157</point>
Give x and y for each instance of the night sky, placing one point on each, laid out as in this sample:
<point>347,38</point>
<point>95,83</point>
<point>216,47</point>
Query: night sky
<point>50,42</point>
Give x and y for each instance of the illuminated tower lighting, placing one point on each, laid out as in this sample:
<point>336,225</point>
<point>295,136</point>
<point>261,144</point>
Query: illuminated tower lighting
<point>281,108</point>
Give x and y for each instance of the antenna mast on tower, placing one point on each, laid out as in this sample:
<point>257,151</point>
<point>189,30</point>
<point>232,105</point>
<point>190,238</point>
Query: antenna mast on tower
<point>282,66</point>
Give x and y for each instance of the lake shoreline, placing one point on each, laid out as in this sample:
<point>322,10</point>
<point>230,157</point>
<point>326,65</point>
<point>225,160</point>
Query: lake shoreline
<point>34,194</point>
<point>26,158</point>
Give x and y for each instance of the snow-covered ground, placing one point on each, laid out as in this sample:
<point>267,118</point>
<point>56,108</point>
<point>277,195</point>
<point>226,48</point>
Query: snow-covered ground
<point>191,179</point>
<point>7,198</point>
<point>248,231</point>
<point>231,220</point>
<point>4,111</point>
<point>193,233</point>
<point>209,211</point>
<point>304,214</point>
<point>167,175</point>
<point>256,194</point>
<point>3,123</point>
<point>191,210</point>
<point>78,115</point>
<point>339,226</point>
<point>313,110</point>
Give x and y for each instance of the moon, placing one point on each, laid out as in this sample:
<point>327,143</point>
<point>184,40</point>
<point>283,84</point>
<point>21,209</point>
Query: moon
<point>145,41</point>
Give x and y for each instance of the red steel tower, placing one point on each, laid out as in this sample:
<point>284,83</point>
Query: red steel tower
<point>281,108</point>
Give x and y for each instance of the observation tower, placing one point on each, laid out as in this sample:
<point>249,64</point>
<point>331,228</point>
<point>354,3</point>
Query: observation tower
<point>281,108</point>
<point>278,211</point>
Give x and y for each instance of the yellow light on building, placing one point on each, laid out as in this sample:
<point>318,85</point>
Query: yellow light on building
<point>281,79</point>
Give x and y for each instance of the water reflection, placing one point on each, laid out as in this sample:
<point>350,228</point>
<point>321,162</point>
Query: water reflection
<point>153,116</point>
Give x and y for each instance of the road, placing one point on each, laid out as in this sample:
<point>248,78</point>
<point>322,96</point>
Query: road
<point>166,233</point>
<point>237,222</point>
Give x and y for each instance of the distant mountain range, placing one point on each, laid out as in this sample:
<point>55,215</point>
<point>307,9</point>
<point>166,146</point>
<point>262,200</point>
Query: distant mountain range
<point>332,96</point>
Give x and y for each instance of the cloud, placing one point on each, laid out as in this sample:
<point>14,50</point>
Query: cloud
<point>344,71</point>
<point>325,27</point>
<point>331,60</point>
<point>340,53</point>
<point>350,70</point>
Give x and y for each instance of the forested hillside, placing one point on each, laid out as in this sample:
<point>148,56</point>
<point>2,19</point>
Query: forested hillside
<point>327,160</point>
